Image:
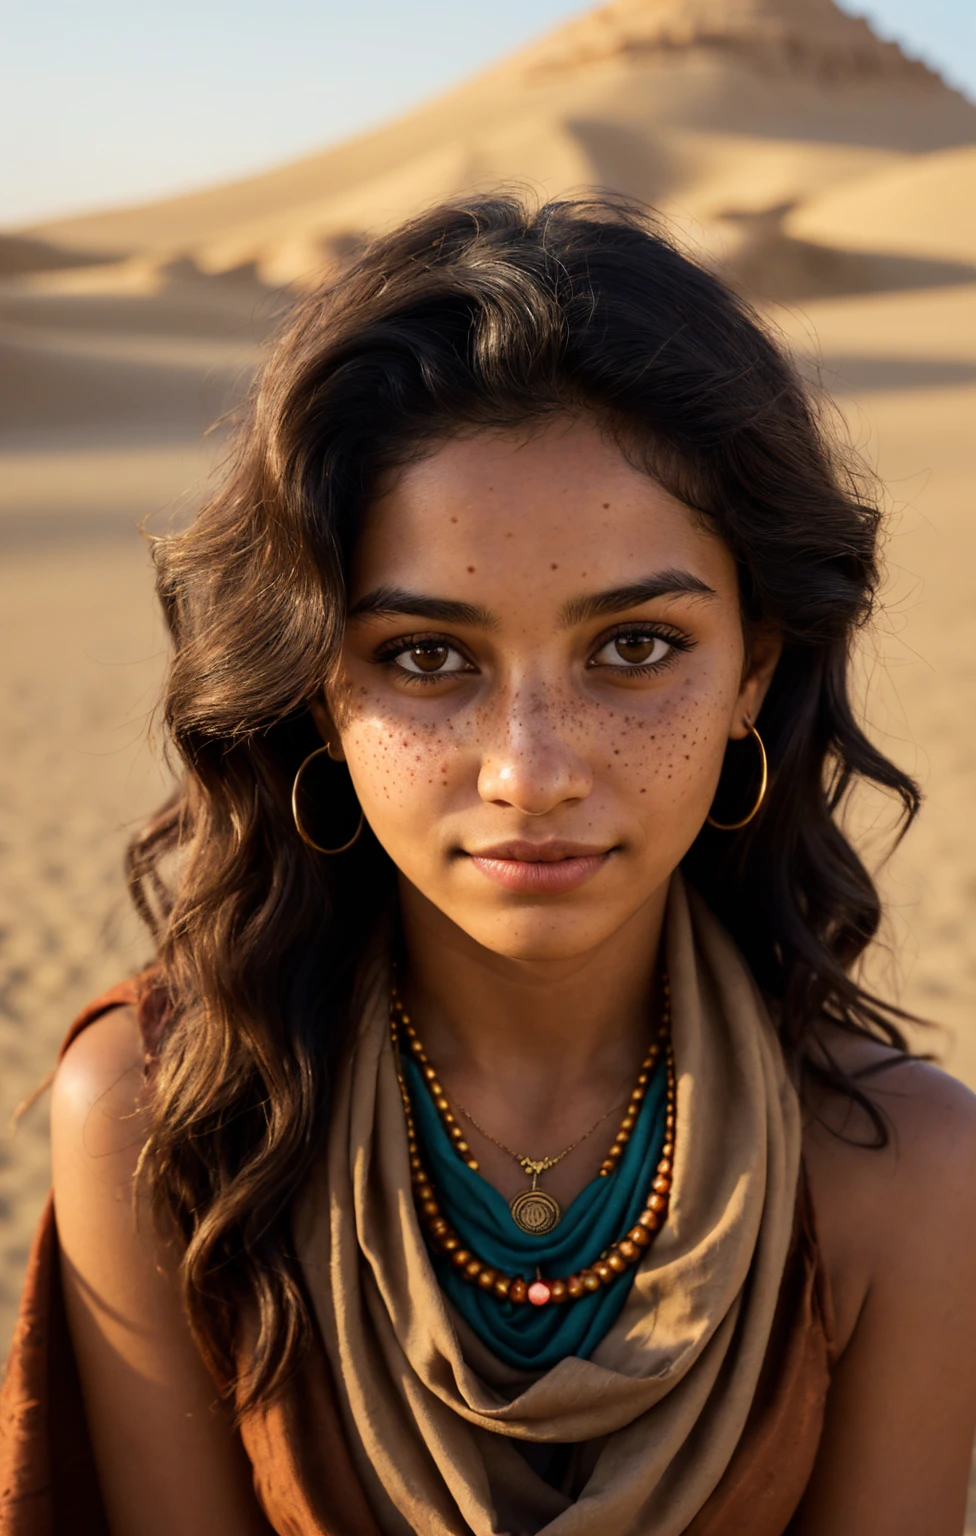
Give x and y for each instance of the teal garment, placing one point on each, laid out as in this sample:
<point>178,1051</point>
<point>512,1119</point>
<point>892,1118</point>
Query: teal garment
<point>535,1338</point>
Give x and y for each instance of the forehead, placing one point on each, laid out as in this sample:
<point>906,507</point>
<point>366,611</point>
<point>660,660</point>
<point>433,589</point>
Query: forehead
<point>502,516</point>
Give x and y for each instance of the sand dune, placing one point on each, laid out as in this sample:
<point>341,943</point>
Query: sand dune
<point>108,387</point>
<point>922,207</point>
<point>710,109</point>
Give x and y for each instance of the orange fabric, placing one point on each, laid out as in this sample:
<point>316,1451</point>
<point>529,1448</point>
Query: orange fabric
<point>48,1482</point>
<point>303,1472</point>
<point>764,1484</point>
<point>302,1469</point>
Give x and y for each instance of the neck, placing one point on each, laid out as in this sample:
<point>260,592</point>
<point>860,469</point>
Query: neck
<point>530,1029</point>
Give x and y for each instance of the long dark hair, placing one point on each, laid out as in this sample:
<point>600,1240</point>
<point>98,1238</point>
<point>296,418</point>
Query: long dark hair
<point>481,313</point>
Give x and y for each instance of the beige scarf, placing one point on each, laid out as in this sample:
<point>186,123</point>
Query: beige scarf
<point>656,1413</point>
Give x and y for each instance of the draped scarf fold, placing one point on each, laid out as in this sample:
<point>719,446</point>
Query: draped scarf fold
<point>656,1412</point>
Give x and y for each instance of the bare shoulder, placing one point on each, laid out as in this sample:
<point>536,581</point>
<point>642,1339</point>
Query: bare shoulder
<point>96,1106</point>
<point>897,1235</point>
<point>168,1457</point>
<point>930,1117</point>
<point>98,1130</point>
<point>868,1199</point>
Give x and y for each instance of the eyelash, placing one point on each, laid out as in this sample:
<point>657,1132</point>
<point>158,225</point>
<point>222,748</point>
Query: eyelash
<point>678,641</point>
<point>675,638</point>
<point>388,653</point>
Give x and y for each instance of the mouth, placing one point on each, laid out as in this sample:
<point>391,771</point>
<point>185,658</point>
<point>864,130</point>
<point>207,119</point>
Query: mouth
<point>545,869</point>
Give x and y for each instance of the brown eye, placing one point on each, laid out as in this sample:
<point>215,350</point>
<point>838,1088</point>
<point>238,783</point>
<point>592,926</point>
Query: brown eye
<point>431,657</point>
<point>638,648</point>
<point>635,648</point>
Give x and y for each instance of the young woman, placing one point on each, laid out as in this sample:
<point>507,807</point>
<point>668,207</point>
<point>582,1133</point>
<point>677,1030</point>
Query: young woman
<point>500,1140</point>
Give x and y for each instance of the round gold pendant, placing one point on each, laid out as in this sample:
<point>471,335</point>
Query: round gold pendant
<point>535,1212</point>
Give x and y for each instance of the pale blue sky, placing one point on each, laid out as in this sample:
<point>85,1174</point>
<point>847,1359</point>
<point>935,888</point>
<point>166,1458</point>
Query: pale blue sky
<point>109,101</point>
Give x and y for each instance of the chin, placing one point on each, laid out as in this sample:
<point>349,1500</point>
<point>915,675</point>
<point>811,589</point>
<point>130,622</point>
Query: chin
<point>538,936</point>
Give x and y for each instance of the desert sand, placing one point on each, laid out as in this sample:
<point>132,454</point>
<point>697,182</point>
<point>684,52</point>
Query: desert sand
<point>828,175</point>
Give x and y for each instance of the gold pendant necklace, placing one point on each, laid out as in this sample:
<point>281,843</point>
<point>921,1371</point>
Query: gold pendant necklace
<point>534,1210</point>
<point>622,1255</point>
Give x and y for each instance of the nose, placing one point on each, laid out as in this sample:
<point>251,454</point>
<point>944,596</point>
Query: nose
<point>531,766</point>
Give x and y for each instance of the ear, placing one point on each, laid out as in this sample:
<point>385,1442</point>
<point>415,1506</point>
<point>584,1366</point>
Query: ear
<point>765,649</point>
<point>326,727</point>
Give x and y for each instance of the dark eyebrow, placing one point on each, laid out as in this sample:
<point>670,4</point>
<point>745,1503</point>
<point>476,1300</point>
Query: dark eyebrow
<point>592,605</point>
<point>389,601</point>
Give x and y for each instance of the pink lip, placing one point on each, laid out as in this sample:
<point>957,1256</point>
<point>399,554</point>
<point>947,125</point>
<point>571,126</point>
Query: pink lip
<point>544,869</point>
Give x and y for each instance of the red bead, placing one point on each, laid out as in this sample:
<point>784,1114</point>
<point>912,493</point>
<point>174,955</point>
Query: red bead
<point>539,1293</point>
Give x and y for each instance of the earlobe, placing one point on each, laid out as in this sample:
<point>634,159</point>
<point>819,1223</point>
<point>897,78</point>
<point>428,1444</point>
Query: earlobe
<point>765,650</point>
<point>325,725</point>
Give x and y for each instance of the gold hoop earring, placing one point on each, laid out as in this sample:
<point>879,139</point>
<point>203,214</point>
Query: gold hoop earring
<point>734,826</point>
<point>309,841</point>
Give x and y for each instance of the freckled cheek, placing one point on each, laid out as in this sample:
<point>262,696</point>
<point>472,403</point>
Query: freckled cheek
<point>668,757</point>
<point>400,763</point>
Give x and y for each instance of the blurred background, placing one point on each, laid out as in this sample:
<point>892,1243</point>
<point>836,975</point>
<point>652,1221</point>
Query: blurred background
<point>165,190</point>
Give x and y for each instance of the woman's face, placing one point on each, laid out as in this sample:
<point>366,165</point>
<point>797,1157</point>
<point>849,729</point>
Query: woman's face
<point>543,664</point>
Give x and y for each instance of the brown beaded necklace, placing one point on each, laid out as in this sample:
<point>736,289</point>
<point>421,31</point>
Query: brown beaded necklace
<point>534,1210</point>
<point>619,1257</point>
